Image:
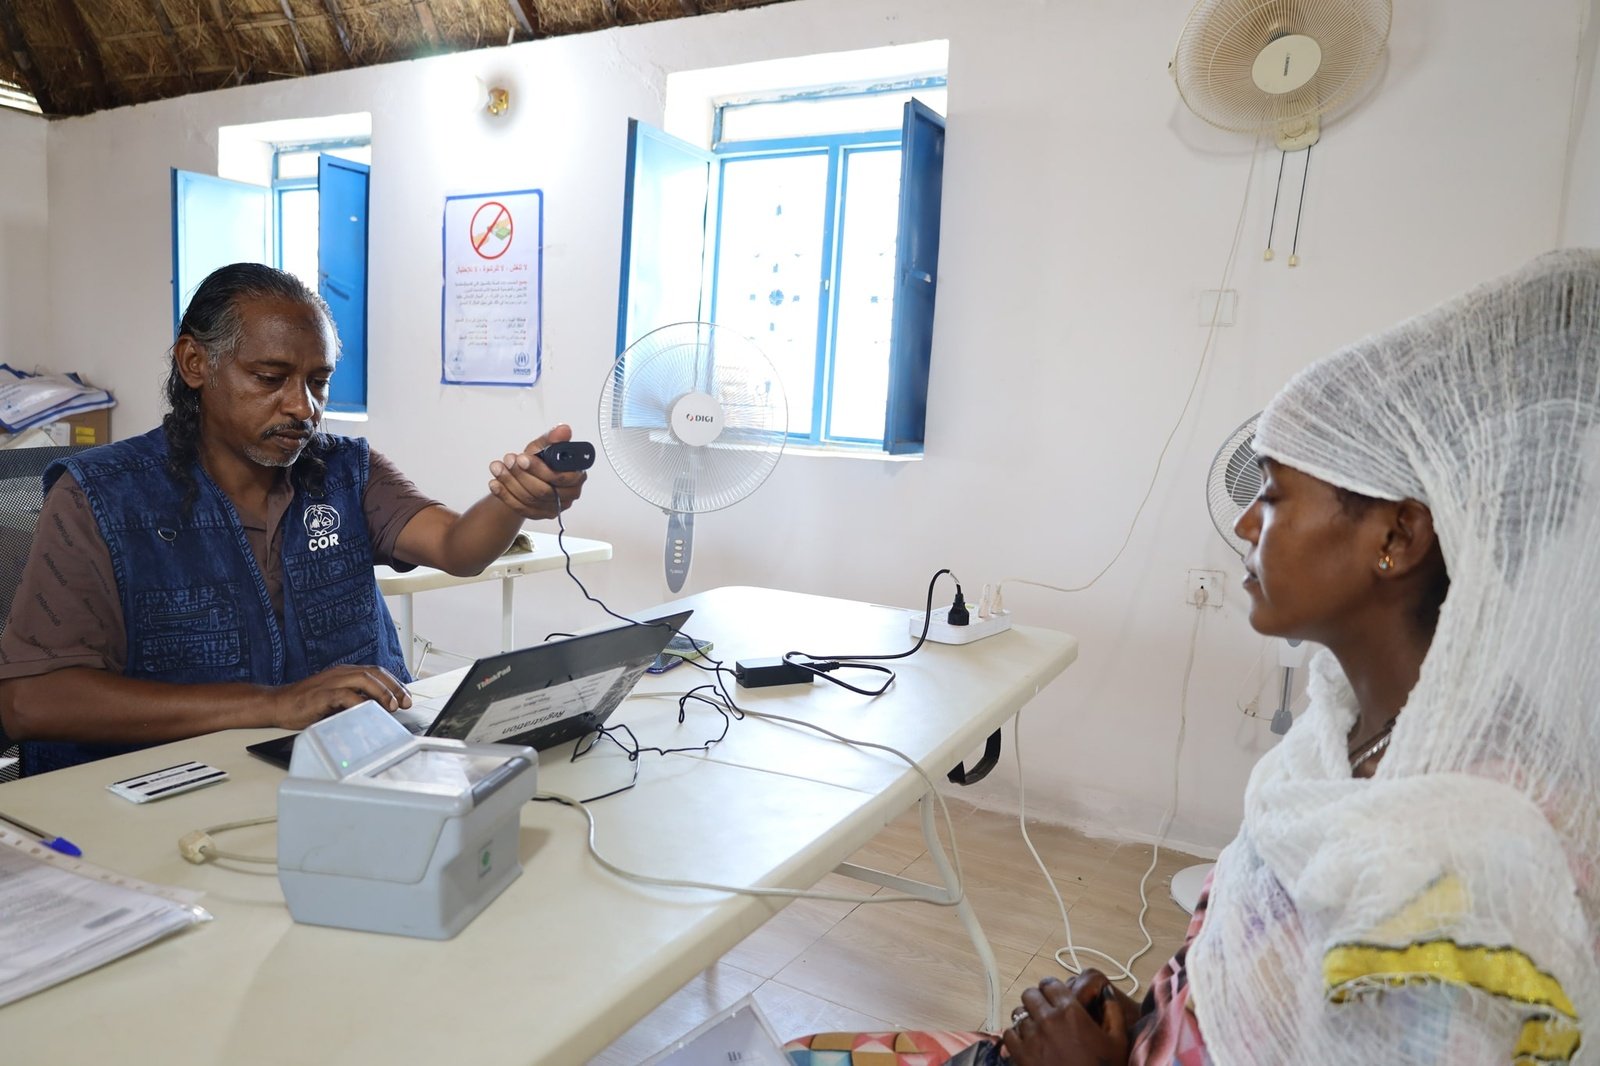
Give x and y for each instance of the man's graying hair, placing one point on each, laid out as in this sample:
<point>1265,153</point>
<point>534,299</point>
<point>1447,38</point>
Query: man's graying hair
<point>215,322</point>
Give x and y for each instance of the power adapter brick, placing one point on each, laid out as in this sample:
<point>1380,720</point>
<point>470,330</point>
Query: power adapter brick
<point>765,673</point>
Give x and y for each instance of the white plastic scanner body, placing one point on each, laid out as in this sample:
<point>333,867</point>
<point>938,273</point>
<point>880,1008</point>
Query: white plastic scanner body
<point>416,838</point>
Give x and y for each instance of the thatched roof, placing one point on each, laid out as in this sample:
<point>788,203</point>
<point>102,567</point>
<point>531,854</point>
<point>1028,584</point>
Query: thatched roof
<point>78,56</point>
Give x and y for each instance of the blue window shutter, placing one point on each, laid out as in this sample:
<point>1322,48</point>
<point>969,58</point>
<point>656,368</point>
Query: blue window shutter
<point>342,272</point>
<point>916,279</point>
<point>214,222</point>
<point>666,201</point>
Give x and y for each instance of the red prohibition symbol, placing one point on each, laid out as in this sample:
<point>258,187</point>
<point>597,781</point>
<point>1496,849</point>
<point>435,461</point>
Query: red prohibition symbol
<point>490,230</point>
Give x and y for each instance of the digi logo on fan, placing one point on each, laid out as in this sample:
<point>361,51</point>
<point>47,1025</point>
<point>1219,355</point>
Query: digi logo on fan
<point>696,418</point>
<point>322,527</point>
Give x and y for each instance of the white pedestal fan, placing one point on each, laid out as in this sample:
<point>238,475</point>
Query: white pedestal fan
<point>693,417</point>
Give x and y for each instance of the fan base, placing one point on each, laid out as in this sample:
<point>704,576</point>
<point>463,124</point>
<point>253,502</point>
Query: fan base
<point>1187,883</point>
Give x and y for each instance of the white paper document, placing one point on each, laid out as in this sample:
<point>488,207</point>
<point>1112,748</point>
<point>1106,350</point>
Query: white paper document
<point>740,1034</point>
<point>60,917</point>
<point>516,715</point>
<point>30,399</point>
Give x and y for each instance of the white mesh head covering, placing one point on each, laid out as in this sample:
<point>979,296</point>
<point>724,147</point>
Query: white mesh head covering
<point>1446,910</point>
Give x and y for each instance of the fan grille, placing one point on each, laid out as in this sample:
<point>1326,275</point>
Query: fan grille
<point>1222,39</point>
<point>636,406</point>
<point>1233,482</point>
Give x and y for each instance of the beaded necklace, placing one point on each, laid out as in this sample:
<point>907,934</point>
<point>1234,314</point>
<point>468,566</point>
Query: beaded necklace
<point>1375,746</point>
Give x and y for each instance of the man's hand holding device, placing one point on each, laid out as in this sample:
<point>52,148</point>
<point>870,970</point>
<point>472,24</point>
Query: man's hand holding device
<point>550,469</point>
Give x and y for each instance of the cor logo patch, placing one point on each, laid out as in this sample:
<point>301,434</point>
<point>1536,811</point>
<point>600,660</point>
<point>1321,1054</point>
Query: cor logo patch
<point>322,527</point>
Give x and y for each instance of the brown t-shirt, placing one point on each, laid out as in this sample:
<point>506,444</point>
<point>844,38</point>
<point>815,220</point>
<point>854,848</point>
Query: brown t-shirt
<point>67,611</point>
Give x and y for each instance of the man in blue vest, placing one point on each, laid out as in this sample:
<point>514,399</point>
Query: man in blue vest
<point>216,572</point>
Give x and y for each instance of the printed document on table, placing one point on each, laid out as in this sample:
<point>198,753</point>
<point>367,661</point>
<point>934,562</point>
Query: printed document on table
<point>60,916</point>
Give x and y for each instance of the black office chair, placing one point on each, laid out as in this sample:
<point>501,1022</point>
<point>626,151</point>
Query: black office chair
<point>21,497</point>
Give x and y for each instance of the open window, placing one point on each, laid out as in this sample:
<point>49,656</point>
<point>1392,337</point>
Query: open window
<point>811,225</point>
<point>308,217</point>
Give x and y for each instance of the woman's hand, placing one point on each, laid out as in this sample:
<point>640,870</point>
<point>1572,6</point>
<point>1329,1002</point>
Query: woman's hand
<point>1086,1022</point>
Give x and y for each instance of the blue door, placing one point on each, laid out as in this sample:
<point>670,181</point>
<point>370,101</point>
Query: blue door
<point>214,222</point>
<point>664,212</point>
<point>342,272</point>
<point>916,278</point>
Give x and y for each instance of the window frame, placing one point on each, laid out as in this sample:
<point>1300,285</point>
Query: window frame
<point>659,171</point>
<point>838,147</point>
<point>279,185</point>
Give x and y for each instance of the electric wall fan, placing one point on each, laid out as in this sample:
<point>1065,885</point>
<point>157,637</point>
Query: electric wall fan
<point>693,418</point>
<point>1278,67</point>
<point>1231,486</point>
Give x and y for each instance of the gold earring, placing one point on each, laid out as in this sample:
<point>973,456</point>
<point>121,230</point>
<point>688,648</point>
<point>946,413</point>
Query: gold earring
<point>1385,562</point>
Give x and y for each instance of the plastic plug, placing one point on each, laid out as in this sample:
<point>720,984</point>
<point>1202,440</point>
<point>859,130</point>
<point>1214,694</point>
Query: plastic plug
<point>958,615</point>
<point>194,846</point>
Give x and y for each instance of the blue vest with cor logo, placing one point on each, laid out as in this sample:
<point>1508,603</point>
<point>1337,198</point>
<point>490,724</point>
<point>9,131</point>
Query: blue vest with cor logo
<point>194,604</point>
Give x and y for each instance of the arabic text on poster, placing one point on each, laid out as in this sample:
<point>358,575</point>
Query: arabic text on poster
<point>493,267</point>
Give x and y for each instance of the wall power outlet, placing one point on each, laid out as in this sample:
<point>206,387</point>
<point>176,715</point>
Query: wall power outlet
<point>945,633</point>
<point>1204,588</point>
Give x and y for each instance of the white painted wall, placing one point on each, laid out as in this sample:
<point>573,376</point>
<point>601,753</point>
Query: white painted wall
<point>1085,209</point>
<point>24,287</point>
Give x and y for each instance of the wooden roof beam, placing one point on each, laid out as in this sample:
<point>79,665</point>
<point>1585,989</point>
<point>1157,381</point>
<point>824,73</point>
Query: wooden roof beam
<point>172,42</point>
<point>134,35</point>
<point>425,16</point>
<point>337,18</point>
<point>22,55</point>
<point>71,19</point>
<point>299,41</point>
<point>222,22</point>
<point>526,15</point>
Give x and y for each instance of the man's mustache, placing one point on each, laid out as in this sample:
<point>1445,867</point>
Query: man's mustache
<point>304,428</point>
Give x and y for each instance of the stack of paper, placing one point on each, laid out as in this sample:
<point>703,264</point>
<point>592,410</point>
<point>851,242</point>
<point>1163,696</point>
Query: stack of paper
<point>33,399</point>
<point>60,917</point>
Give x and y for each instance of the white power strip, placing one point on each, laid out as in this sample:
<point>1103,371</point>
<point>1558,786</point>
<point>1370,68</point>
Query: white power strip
<point>945,633</point>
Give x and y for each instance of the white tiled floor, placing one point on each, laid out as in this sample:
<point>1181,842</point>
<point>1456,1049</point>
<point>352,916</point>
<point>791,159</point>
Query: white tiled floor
<point>835,966</point>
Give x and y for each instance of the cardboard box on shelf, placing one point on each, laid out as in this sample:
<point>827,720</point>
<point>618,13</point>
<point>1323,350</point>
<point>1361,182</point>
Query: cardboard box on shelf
<point>90,427</point>
<point>84,428</point>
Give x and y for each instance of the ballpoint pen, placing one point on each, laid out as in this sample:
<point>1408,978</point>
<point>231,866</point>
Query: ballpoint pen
<point>49,840</point>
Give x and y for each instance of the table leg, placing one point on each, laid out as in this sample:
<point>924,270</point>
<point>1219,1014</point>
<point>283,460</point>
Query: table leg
<point>408,641</point>
<point>508,621</point>
<point>969,918</point>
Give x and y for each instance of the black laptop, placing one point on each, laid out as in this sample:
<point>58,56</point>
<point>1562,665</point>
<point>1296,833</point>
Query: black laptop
<point>539,696</point>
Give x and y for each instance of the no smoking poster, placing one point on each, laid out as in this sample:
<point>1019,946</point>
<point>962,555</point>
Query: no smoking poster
<point>493,274</point>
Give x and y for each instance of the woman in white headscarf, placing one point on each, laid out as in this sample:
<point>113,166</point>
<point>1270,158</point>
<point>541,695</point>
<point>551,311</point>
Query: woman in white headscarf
<point>1415,877</point>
